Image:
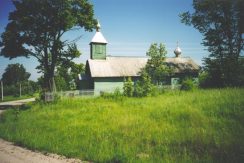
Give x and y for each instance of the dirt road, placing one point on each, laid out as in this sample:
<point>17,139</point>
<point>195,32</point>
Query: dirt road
<point>10,153</point>
<point>17,102</point>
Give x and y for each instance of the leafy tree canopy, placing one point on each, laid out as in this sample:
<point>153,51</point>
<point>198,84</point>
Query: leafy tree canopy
<point>222,24</point>
<point>36,28</point>
<point>15,73</point>
<point>156,66</point>
<point>68,75</point>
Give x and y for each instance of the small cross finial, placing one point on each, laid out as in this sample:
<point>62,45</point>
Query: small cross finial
<point>98,27</point>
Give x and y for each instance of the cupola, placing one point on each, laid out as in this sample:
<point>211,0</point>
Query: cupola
<point>98,44</point>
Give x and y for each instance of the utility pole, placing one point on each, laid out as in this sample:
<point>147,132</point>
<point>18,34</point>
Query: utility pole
<point>19,89</point>
<point>2,89</point>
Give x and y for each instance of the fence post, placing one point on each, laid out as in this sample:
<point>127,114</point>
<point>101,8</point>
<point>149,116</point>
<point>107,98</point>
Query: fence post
<point>19,89</point>
<point>2,89</point>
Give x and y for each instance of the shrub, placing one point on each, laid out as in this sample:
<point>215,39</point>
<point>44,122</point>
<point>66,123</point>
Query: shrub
<point>204,80</point>
<point>128,87</point>
<point>157,91</point>
<point>57,97</point>
<point>41,96</point>
<point>52,97</point>
<point>143,87</point>
<point>138,90</point>
<point>188,84</point>
<point>117,93</point>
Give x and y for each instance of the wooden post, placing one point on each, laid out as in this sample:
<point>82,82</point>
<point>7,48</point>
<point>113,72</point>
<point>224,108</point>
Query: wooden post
<point>19,89</point>
<point>2,89</point>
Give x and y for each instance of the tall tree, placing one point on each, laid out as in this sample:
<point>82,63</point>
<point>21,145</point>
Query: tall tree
<point>222,24</point>
<point>156,66</point>
<point>37,27</point>
<point>68,75</point>
<point>15,73</point>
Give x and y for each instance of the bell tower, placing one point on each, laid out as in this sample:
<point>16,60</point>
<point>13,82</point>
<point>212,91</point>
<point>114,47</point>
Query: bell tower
<point>98,45</point>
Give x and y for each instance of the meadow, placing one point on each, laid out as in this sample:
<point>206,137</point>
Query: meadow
<point>177,126</point>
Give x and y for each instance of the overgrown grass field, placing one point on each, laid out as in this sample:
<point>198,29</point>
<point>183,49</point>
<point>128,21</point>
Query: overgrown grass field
<point>203,125</point>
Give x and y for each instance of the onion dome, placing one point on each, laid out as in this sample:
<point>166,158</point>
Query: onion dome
<point>177,51</point>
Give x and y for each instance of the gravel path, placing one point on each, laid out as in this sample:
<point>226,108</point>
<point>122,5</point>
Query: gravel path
<point>17,102</point>
<point>10,153</point>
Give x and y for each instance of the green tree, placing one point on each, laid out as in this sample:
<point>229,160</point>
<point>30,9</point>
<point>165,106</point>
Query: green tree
<point>156,66</point>
<point>128,87</point>
<point>75,70</point>
<point>34,86</point>
<point>61,83</point>
<point>37,29</point>
<point>222,24</point>
<point>14,74</point>
<point>144,86</point>
<point>67,76</point>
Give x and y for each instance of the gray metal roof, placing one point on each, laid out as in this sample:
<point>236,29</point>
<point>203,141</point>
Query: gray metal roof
<point>131,66</point>
<point>182,64</point>
<point>116,66</point>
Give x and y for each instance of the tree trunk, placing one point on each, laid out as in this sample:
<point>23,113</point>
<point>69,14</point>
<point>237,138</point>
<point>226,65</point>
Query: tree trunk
<point>49,82</point>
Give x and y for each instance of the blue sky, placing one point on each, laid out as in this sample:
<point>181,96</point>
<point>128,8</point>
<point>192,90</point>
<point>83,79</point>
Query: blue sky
<point>130,26</point>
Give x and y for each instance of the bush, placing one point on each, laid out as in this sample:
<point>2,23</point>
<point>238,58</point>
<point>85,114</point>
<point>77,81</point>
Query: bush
<point>143,87</point>
<point>138,90</point>
<point>157,91</point>
<point>117,93</point>
<point>41,96</point>
<point>188,84</point>
<point>204,80</point>
<point>52,97</point>
<point>128,87</point>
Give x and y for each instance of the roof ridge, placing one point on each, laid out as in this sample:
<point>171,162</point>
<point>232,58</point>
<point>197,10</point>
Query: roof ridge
<point>179,57</point>
<point>110,56</point>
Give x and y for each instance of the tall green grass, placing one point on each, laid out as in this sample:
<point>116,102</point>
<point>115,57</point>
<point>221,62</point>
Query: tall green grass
<point>198,126</point>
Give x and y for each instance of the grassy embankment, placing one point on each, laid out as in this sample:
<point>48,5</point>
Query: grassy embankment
<point>204,125</point>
